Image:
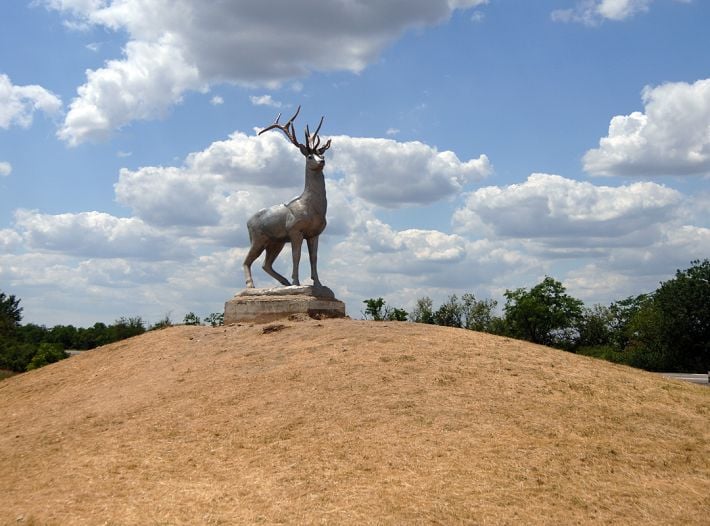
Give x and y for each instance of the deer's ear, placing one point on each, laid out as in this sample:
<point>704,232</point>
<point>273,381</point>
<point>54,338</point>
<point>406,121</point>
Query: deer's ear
<point>304,149</point>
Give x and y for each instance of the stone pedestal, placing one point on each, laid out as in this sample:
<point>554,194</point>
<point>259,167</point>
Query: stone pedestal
<point>264,305</point>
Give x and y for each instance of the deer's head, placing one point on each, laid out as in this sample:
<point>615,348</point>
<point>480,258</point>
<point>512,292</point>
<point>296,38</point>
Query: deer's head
<point>311,149</point>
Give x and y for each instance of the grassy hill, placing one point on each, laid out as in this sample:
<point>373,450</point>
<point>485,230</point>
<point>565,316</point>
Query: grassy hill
<point>344,421</point>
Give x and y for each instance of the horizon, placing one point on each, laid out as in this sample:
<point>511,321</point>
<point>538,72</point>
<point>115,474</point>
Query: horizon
<point>477,146</point>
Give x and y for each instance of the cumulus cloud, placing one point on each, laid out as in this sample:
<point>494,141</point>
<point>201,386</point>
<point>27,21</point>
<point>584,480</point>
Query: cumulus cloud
<point>101,289</point>
<point>9,239</point>
<point>553,208</point>
<point>19,103</point>
<point>96,234</point>
<point>403,265</point>
<point>5,168</point>
<point>168,196</point>
<point>423,245</point>
<point>151,79</point>
<point>217,188</point>
<point>671,136</point>
<point>614,241</point>
<point>180,45</point>
<point>389,173</point>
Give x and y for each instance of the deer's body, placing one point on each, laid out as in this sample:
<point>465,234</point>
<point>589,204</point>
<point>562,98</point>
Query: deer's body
<point>301,218</point>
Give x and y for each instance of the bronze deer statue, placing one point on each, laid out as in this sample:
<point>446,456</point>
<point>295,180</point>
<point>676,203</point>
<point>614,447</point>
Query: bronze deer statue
<point>301,218</point>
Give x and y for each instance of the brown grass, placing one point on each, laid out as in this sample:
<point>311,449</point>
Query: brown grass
<point>345,421</point>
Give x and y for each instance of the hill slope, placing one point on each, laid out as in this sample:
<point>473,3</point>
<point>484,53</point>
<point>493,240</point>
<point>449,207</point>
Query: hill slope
<point>343,421</point>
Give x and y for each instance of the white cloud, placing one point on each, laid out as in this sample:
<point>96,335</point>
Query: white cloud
<point>604,243</point>
<point>102,289</point>
<point>671,136</point>
<point>264,100</point>
<point>403,265</point>
<point>9,239</point>
<point>216,100</point>
<point>144,85</point>
<point>19,103</point>
<point>594,12</point>
<point>218,188</point>
<point>96,234</point>
<point>550,207</point>
<point>169,196</point>
<point>392,174</point>
<point>182,247</point>
<point>5,168</point>
<point>629,270</point>
<point>181,45</point>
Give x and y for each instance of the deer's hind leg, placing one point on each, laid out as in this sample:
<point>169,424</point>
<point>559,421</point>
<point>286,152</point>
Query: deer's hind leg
<point>254,252</point>
<point>273,249</point>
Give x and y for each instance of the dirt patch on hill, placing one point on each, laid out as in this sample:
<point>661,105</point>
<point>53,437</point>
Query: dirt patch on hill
<point>342,421</point>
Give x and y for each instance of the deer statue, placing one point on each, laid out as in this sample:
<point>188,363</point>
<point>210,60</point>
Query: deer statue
<point>301,218</point>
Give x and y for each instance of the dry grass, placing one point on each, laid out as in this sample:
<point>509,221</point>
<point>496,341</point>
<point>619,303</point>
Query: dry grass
<point>345,421</point>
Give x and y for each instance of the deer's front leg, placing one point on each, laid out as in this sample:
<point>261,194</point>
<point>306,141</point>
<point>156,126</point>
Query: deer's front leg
<point>313,255</point>
<point>296,242</point>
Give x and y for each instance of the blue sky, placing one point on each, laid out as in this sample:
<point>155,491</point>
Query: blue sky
<point>477,146</point>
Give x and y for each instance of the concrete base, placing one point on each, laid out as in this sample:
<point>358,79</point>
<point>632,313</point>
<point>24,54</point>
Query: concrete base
<point>264,305</point>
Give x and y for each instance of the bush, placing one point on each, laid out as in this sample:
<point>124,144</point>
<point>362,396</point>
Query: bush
<point>15,355</point>
<point>46,354</point>
<point>215,319</point>
<point>378,310</point>
<point>191,319</point>
<point>162,324</point>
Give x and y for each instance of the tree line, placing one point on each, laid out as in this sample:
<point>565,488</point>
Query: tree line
<point>29,346</point>
<point>666,330</point>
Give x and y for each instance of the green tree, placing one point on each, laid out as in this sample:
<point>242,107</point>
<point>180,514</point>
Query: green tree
<point>64,335</point>
<point>396,314</point>
<point>595,326</point>
<point>378,310</point>
<point>215,319</point>
<point>46,354</point>
<point>621,315</point>
<point>450,313</point>
<point>684,305</point>
<point>124,328</point>
<point>423,311</point>
<point>32,333</point>
<point>671,331</point>
<point>15,355</point>
<point>10,315</point>
<point>374,309</point>
<point>646,347</point>
<point>478,314</point>
<point>191,319</point>
<point>545,314</point>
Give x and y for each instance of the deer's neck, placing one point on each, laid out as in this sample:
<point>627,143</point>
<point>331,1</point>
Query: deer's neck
<point>314,190</point>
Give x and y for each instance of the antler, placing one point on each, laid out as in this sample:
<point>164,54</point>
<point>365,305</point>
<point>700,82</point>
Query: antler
<point>312,141</point>
<point>286,128</point>
<point>315,139</point>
